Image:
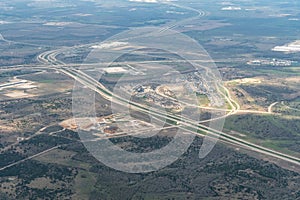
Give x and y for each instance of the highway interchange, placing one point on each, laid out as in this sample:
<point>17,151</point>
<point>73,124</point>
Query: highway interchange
<point>49,60</point>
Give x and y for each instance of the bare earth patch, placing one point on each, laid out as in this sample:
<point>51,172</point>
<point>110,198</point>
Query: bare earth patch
<point>247,81</point>
<point>19,94</point>
<point>5,128</point>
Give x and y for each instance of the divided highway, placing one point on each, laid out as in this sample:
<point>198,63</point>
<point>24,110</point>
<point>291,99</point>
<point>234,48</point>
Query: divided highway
<point>183,123</point>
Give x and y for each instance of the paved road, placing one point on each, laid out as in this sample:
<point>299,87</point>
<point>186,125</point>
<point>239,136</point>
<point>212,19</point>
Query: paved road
<point>186,124</point>
<point>49,58</point>
<point>30,157</point>
<point>271,106</point>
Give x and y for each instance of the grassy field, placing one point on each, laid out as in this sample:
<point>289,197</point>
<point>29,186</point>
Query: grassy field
<point>274,132</point>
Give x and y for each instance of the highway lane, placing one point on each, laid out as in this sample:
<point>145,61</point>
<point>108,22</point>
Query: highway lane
<point>194,126</point>
<point>99,88</point>
<point>49,57</point>
<point>43,66</point>
<point>234,104</point>
<point>96,86</point>
<point>200,13</point>
<point>187,124</point>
